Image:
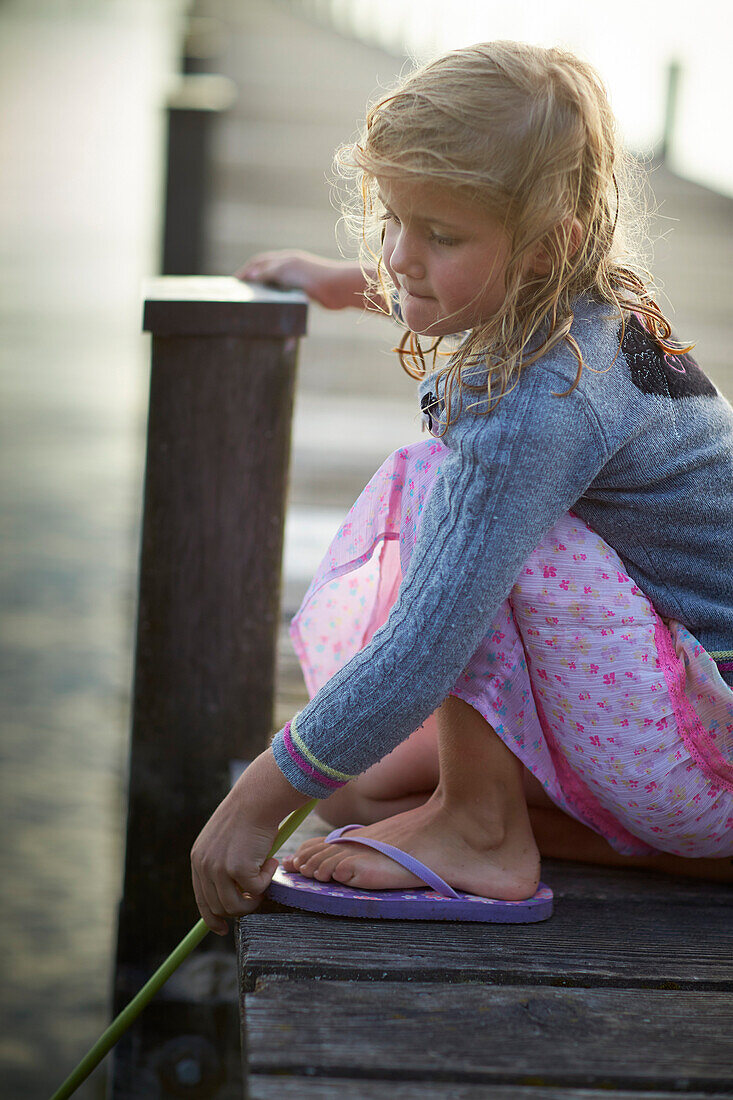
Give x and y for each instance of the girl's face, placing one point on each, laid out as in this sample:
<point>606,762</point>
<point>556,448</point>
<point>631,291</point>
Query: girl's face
<point>447,257</point>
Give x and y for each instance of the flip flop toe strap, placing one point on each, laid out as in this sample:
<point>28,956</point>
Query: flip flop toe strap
<point>414,866</point>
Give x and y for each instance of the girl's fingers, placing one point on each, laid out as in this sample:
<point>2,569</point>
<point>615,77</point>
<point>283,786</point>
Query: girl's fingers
<point>210,918</point>
<point>225,897</point>
<point>286,270</point>
<point>248,272</point>
<point>261,266</point>
<point>235,900</point>
<point>217,898</point>
<point>262,275</point>
<point>262,881</point>
<point>246,899</point>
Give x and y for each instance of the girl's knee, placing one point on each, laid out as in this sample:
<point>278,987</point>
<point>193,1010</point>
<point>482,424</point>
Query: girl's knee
<point>351,806</point>
<point>342,806</point>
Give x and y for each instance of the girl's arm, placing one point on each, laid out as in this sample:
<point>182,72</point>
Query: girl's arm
<point>229,863</point>
<point>334,284</point>
<point>505,481</point>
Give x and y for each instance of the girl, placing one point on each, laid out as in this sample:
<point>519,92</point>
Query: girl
<point>520,641</point>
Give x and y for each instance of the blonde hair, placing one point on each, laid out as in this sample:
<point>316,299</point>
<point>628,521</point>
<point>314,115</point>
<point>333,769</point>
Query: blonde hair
<point>527,134</point>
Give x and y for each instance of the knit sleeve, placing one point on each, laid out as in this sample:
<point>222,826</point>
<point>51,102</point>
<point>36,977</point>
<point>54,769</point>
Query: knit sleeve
<point>506,481</point>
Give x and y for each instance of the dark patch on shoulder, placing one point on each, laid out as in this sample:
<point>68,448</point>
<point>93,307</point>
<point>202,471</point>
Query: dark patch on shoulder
<point>652,371</point>
<point>431,408</point>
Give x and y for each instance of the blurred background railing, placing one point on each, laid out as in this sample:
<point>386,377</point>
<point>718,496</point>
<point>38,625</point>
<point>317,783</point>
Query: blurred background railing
<point>665,72</point>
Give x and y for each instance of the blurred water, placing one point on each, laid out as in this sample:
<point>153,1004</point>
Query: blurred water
<point>81,86</point>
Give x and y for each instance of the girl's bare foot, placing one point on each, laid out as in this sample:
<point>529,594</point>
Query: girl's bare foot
<point>482,855</point>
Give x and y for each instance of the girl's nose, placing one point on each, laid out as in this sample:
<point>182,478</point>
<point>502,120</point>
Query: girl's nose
<point>406,258</point>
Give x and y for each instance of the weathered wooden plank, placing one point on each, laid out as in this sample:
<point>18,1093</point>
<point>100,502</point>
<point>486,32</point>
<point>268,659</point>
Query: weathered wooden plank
<point>352,1088</point>
<point>473,1034</point>
<point>630,884</point>
<point>648,945</point>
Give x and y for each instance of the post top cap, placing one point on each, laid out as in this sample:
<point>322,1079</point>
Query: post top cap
<point>178,305</point>
<point>201,92</point>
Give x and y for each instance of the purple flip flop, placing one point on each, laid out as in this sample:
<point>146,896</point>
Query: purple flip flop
<point>438,902</point>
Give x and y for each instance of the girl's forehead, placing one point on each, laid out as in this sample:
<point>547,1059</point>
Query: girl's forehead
<point>414,192</point>
<point>427,200</point>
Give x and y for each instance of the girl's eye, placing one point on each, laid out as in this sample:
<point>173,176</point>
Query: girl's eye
<point>436,237</point>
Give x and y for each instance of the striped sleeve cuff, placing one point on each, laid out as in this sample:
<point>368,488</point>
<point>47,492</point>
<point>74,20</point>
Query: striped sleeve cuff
<point>723,659</point>
<point>302,769</point>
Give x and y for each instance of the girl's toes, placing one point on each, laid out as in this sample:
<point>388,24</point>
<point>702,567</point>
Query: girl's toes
<point>308,849</point>
<point>345,872</point>
<point>324,871</point>
<point>291,863</point>
<point>308,867</point>
<point>311,849</point>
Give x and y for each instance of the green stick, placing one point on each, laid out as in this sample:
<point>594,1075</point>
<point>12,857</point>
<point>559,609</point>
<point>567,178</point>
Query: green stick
<point>120,1025</point>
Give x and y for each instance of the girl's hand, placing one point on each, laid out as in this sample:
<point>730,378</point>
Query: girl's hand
<point>229,865</point>
<point>334,284</point>
<point>229,860</point>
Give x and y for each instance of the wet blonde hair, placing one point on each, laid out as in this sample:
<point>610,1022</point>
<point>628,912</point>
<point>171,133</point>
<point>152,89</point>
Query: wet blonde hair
<point>528,135</point>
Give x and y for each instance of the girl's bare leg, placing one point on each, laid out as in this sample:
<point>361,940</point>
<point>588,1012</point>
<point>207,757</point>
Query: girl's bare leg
<point>562,837</point>
<point>473,829</point>
<point>403,780</point>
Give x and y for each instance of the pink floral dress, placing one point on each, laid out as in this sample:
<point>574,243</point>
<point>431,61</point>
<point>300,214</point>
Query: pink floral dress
<point>623,717</point>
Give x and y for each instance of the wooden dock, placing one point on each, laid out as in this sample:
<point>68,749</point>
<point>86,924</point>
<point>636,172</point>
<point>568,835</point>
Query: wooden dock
<point>626,991</point>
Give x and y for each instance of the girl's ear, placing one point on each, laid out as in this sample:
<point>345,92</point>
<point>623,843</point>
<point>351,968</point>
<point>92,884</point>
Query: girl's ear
<point>569,230</point>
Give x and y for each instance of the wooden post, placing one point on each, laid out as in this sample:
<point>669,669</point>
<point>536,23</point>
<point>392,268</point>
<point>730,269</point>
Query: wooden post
<point>202,45</point>
<point>221,394</point>
<point>193,106</point>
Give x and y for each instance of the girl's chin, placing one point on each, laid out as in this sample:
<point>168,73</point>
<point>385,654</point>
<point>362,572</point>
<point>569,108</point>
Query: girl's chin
<point>434,330</point>
<point>419,314</point>
<point>422,317</point>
